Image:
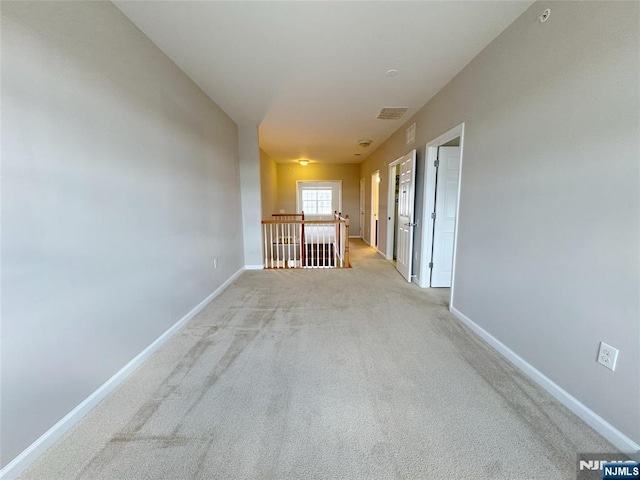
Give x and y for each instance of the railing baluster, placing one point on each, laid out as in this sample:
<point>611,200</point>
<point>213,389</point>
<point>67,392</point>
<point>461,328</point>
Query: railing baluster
<point>271,243</point>
<point>346,242</point>
<point>301,245</point>
<point>325,244</point>
<point>338,242</point>
<point>336,256</point>
<point>277,247</point>
<point>264,236</point>
<point>322,245</point>
<point>288,245</point>
<point>342,242</point>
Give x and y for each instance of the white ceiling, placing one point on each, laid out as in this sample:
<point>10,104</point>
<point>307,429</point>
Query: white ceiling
<point>312,74</point>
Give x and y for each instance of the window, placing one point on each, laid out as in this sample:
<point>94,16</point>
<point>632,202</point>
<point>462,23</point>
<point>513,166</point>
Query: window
<point>317,201</point>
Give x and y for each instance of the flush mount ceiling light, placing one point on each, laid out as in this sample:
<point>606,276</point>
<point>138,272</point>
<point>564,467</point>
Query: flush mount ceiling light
<point>304,163</point>
<point>391,73</point>
<point>364,143</point>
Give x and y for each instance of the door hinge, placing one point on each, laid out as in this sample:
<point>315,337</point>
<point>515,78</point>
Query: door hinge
<point>430,264</point>
<point>436,163</point>
<point>433,215</point>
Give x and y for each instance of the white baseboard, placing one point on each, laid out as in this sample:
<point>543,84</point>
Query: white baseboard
<point>595,421</point>
<point>379,252</point>
<point>42,444</point>
<point>355,236</point>
<point>254,267</point>
<point>365,241</point>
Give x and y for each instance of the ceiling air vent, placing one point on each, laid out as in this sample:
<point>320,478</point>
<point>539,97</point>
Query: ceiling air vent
<point>391,113</point>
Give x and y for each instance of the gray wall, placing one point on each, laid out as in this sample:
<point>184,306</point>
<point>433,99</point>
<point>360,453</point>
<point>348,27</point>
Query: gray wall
<point>120,183</point>
<point>249,153</point>
<point>549,239</point>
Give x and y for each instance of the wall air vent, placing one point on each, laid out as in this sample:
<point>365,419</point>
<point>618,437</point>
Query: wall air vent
<point>411,134</point>
<point>392,113</point>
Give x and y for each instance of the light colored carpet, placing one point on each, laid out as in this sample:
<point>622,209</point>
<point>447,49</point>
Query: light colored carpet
<point>349,374</point>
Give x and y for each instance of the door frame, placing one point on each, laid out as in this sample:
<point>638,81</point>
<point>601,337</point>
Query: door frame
<point>391,198</point>
<point>431,155</point>
<point>412,209</point>
<point>375,178</point>
<point>361,213</point>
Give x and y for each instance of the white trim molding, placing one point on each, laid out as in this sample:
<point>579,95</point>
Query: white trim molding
<point>595,421</point>
<point>333,184</point>
<point>382,254</point>
<point>428,204</point>
<point>42,444</point>
<point>254,267</point>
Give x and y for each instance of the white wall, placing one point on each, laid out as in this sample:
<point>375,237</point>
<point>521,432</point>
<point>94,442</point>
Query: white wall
<point>268,185</point>
<point>548,256</point>
<point>120,184</point>
<point>249,152</point>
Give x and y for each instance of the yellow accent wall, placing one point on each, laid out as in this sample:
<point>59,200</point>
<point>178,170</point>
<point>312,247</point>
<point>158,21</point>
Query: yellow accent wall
<point>290,173</point>
<point>269,185</point>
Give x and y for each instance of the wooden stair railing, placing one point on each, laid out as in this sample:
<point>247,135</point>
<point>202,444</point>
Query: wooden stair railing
<point>284,217</point>
<point>342,237</point>
<point>290,241</point>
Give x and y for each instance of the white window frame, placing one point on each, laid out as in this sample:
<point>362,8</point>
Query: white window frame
<point>335,185</point>
<point>315,203</point>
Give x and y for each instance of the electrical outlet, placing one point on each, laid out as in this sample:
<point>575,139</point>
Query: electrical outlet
<point>215,262</point>
<point>608,356</point>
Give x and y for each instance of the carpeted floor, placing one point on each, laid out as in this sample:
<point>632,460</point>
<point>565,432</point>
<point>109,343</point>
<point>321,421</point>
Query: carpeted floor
<point>331,374</point>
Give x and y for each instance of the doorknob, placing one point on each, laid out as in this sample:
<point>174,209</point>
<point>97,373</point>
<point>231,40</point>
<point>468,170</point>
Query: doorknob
<point>411,224</point>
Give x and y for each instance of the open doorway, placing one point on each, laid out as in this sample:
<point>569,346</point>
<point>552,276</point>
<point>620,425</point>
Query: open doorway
<point>375,205</point>
<point>392,211</point>
<point>400,214</point>
<point>443,171</point>
<point>362,187</point>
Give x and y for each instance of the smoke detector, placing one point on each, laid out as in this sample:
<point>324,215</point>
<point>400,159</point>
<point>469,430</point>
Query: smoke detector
<point>544,16</point>
<point>364,143</point>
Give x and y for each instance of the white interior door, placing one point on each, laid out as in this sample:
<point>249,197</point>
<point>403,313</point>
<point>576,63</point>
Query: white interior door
<point>362,208</point>
<point>445,221</point>
<point>375,199</point>
<point>406,202</point>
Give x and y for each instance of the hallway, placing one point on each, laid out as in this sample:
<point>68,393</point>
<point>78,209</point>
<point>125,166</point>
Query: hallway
<point>324,374</point>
